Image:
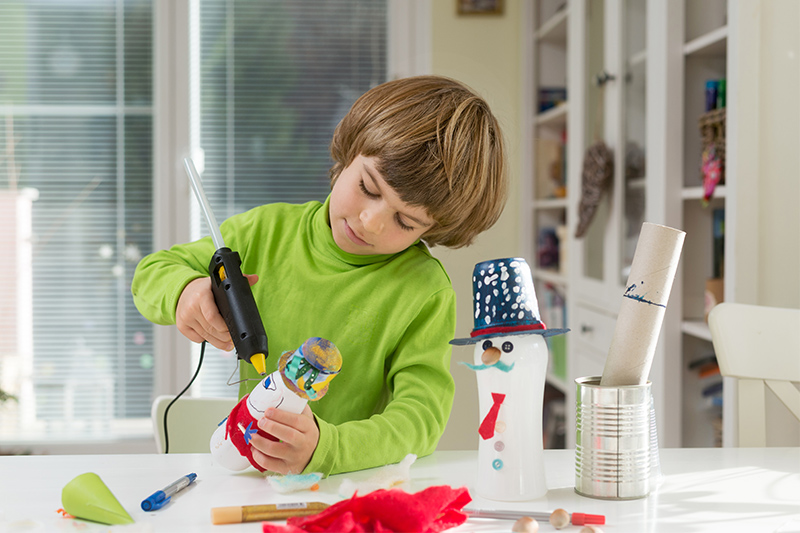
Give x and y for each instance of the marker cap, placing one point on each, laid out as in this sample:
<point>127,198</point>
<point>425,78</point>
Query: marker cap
<point>580,519</point>
<point>155,501</point>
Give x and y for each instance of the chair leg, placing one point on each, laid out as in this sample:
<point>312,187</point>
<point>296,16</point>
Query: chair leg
<point>752,422</point>
<point>788,394</point>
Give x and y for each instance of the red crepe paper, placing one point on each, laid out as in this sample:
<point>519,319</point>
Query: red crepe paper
<point>384,511</point>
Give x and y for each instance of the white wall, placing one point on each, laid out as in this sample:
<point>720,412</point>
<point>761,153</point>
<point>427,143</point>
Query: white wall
<point>483,51</point>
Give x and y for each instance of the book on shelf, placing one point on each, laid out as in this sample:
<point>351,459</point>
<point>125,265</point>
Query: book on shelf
<point>554,420</point>
<point>550,97</point>
<point>715,286</point>
<point>718,233</point>
<point>548,249</point>
<point>553,313</point>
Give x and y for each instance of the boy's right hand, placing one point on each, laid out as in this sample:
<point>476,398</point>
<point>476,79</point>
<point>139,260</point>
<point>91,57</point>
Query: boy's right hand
<point>197,315</point>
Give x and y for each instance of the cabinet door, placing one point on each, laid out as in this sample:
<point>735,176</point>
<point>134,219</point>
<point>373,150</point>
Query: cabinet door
<point>615,113</point>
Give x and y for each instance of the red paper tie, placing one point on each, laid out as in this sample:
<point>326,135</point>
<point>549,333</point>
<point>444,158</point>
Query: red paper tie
<point>486,430</point>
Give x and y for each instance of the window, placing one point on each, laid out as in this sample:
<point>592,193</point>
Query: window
<point>270,97</point>
<point>75,171</point>
<point>83,142</point>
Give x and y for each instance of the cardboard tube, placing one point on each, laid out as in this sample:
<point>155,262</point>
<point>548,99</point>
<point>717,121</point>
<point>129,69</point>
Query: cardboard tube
<point>644,303</point>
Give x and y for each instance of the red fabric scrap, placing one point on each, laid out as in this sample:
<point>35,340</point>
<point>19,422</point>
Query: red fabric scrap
<point>385,511</point>
<point>486,429</point>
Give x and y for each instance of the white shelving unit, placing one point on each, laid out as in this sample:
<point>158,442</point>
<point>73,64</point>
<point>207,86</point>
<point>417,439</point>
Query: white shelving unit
<point>654,100</point>
<point>544,197</point>
<point>705,56</point>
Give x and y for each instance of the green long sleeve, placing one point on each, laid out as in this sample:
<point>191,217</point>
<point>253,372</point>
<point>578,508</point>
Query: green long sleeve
<point>391,317</point>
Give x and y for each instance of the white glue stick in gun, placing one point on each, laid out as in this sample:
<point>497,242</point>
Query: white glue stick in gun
<point>231,289</point>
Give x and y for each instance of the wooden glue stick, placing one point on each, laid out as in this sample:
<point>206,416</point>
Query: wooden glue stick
<point>257,513</point>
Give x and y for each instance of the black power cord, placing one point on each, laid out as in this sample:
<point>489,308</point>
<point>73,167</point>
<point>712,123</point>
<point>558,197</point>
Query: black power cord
<point>166,411</point>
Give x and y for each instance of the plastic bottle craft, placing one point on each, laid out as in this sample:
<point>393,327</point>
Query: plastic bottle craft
<point>510,360</point>
<point>303,375</point>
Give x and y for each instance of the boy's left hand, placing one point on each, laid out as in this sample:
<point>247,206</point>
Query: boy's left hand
<point>297,436</point>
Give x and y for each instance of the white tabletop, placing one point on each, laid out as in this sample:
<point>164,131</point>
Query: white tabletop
<point>717,489</point>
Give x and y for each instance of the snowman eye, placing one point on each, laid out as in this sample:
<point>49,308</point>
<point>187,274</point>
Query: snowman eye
<point>487,345</point>
<point>508,347</point>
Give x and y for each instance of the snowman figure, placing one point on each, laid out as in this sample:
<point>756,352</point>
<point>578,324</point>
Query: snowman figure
<point>510,361</point>
<point>303,375</point>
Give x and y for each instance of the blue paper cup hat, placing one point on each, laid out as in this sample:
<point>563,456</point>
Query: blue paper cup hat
<point>505,302</point>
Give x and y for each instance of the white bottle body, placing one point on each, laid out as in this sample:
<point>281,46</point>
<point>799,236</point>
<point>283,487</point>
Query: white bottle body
<point>511,461</point>
<point>270,392</point>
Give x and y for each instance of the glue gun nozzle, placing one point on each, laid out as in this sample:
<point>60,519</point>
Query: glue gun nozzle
<point>259,363</point>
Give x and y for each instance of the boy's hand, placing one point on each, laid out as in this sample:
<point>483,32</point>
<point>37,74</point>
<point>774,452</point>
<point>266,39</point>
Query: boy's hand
<point>297,436</point>
<point>197,315</point>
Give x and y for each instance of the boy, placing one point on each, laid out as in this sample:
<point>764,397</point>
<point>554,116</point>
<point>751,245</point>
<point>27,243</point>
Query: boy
<point>416,161</point>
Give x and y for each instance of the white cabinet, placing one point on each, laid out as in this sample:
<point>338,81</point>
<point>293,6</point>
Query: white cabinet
<point>634,73</point>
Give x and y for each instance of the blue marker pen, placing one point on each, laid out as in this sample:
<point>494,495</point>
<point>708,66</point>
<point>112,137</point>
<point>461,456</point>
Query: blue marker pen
<point>160,498</point>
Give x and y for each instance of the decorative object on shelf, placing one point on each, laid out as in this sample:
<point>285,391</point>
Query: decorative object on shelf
<point>712,168</point>
<point>479,7</point>
<point>510,360</point>
<point>598,167</point>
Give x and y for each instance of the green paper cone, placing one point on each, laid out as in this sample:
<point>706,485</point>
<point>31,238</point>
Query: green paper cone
<point>87,497</point>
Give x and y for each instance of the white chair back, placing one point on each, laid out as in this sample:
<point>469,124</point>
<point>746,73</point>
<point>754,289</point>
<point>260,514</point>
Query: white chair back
<point>191,421</point>
<point>760,346</point>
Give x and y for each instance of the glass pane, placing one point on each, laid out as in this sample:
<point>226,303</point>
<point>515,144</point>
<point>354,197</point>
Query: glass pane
<point>593,240</point>
<point>76,208</point>
<point>634,112</point>
<point>275,79</point>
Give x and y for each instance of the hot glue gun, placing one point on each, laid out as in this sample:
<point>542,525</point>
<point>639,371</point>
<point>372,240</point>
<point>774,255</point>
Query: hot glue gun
<point>231,289</point>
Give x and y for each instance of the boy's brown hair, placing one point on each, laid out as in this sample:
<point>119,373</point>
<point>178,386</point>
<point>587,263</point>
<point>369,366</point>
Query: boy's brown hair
<point>437,145</point>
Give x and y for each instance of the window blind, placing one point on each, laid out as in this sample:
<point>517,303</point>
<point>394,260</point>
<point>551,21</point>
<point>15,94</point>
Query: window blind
<point>275,78</point>
<point>75,216</point>
<point>76,156</point>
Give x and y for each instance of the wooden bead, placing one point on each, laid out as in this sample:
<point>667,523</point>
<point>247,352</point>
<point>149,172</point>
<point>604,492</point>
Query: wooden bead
<point>591,529</point>
<point>526,524</point>
<point>559,518</point>
<point>491,355</point>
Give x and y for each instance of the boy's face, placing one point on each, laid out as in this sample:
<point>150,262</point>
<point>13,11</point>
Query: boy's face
<point>368,217</point>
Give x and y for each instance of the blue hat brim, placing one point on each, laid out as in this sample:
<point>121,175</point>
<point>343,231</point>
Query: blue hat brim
<point>543,332</point>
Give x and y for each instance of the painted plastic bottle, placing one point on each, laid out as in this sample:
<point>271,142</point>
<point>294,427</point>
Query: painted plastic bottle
<point>303,375</point>
<point>271,392</point>
<point>511,372</point>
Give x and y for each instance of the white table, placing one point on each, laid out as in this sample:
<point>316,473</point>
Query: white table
<point>722,490</point>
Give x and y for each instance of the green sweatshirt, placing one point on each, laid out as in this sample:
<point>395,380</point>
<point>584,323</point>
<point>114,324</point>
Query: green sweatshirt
<point>391,316</point>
